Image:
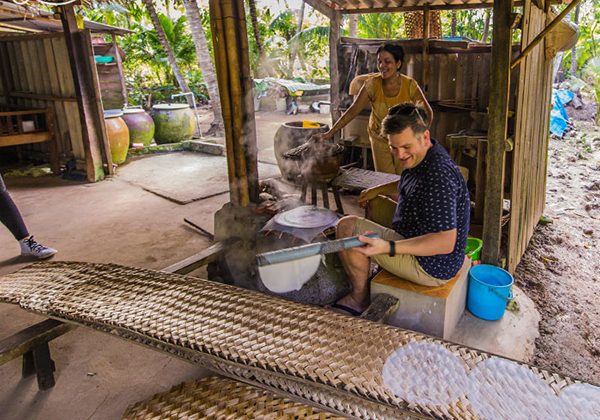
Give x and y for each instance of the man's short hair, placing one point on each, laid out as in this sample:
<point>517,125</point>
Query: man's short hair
<point>402,116</point>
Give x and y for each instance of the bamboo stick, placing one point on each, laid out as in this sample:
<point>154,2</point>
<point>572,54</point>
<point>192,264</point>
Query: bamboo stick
<point>223,75</point>
<point>543,34</point>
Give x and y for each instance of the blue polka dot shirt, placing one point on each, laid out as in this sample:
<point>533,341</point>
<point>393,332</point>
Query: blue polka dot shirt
<point>433,197</point>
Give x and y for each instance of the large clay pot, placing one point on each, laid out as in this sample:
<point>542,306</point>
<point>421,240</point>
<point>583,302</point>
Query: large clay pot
<point>174,123</point>
<point>288,136</point>
<point>140,124</point>
<point>118,135</point>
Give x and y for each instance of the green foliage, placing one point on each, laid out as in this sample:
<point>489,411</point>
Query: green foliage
<point>381,25</point>
<point>469,24</point>
<point>148,74</point>
<point>587,44</point>
<point>591,74</point>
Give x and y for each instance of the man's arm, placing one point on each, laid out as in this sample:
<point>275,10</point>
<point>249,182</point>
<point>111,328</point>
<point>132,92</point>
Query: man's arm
<point>427,245</point>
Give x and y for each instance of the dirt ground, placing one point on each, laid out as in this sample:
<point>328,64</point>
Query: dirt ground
<point>559,269</point>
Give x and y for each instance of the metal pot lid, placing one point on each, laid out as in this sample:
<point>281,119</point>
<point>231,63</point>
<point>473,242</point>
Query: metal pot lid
<point>113,113</point>
<point>133,111</point>
<point>170,107</point>
<point>306,217</point>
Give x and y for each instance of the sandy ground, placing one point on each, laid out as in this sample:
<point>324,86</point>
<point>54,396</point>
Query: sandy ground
<point>559,269</point>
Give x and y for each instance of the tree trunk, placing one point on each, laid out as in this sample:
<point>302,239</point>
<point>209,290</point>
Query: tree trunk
<point>259,46</point>
<point>486,26</point>
<point>575,20</point>
<point>168,50</point>
<point>453,25</point>
<point>205,63</point>
<point>295,46</point>
<point>353,23</point>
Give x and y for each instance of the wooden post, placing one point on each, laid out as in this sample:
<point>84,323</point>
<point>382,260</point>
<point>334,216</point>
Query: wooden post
<point>90,113</point>
<point>425,54</point>
<point>334,40</point>
<point>230,40</point>
<point>497,132</point>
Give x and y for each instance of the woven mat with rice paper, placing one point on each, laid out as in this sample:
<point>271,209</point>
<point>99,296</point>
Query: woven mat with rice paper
<point>345,365</point>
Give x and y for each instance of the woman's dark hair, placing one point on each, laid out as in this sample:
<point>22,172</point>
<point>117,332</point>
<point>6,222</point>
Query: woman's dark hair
<point>396,50</point>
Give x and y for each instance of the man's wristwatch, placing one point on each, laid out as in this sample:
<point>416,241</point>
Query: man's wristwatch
<point>392,248</point>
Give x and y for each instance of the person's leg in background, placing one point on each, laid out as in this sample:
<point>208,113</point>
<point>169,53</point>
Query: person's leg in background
<point>11,218</point>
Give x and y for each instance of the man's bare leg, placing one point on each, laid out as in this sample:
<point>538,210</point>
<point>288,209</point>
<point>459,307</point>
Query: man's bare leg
<point>357,267</point>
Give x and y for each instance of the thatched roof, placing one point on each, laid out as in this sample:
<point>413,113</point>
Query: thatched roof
<point>28,18</point>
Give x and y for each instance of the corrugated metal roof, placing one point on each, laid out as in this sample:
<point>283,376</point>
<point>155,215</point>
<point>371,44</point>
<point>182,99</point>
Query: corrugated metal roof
<point>380,6</point>
<point>29,20</point>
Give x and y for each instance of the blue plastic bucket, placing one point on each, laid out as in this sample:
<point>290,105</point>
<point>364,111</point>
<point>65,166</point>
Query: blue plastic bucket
<point>490,289</point>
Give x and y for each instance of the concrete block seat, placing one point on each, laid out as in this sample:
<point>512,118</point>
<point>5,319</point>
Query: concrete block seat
<point>430,310</point>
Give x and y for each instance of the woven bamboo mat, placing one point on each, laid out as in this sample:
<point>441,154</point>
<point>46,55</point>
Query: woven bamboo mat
<point>350,366</point>
<point>221,398</point>
<point>361,179</point>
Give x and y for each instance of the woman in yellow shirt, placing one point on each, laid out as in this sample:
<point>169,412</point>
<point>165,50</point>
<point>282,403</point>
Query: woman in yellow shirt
<point>383,90</point>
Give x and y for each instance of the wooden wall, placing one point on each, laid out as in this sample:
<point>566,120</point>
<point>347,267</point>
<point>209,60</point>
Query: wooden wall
<point>36,72</point>
<point>457,82</point>
<point>530,154</point>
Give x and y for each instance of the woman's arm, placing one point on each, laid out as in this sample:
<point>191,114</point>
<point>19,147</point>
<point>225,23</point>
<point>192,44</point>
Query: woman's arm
<point>361,101</point>
<point>422,101</point>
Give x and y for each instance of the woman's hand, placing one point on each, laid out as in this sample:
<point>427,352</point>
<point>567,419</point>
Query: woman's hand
<point>373,246</point>
<point>367,195</point>
<point>320,137</point>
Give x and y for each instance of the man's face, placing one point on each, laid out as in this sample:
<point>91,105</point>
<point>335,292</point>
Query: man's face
<point>408,148</point>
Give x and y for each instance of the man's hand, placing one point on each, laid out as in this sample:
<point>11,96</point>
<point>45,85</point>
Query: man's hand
<point>373,246</point>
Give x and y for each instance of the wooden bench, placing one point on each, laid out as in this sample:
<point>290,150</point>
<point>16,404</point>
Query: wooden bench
<point>20,126</point>
<point>430,310</point>
<point>221,398</point>
<point>32,344</point>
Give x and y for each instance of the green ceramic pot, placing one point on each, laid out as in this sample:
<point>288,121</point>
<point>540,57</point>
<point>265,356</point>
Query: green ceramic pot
<point>140,124</point>
<point>173,122</point>
<point>118,135</point>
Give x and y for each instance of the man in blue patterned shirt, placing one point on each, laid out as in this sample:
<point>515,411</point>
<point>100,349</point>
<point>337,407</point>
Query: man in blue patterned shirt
<point>431,222</point>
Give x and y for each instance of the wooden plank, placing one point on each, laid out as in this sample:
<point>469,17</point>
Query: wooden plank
<point>25,138</point>
<point>31,337</point>
<point>121,72</point>
<point>12,61</point>
<point>25,68</point>
<point>61,124</point>
<point>200,259</point>
<point>334,41</point>
<point>67,88</point>
<point>96,108</point>
<point>22,112</point>
<point>498,122</point>
<point>517,222</point>
<point>39,97</point>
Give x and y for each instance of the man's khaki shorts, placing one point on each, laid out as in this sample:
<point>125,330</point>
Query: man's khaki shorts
<point>401,265</point>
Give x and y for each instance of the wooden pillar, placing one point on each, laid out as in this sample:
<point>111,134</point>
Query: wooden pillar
<point>334,40</point>
<point>230,41</point>
<point>95,141</point>
<point>497,132</point>
<point>425,54</point>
